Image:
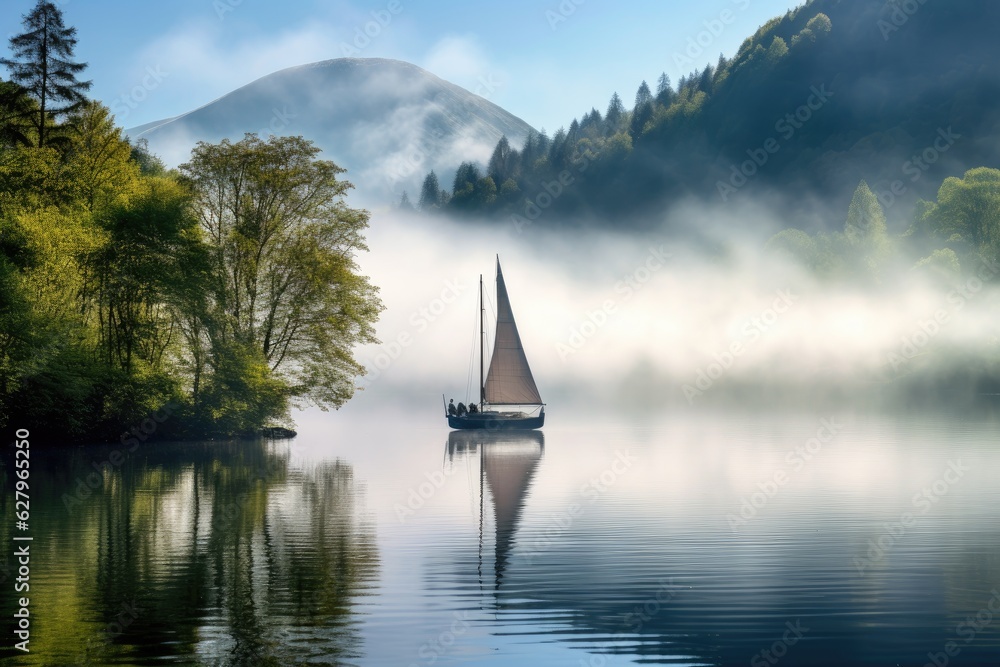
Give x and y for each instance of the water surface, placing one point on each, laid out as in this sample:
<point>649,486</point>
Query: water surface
<point>832,538</point>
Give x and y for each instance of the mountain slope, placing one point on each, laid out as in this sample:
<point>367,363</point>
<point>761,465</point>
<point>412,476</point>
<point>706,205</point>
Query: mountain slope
<point>386,121</point>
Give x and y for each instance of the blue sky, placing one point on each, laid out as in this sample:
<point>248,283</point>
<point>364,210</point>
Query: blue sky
<point>546,61</point>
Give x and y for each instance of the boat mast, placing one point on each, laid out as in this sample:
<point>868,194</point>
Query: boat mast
<point>482,345</point>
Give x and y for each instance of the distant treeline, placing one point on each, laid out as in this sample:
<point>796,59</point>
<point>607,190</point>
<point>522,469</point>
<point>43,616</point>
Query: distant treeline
<point>952,239</point>
<point>225,291</point>
<point>828,94</point>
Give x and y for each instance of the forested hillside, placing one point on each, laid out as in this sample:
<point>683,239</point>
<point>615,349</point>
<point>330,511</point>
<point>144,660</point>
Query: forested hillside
<point>901,94</point>
<point>137,302</point>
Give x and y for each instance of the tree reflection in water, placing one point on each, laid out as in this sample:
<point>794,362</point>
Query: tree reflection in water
<point>220,553</point>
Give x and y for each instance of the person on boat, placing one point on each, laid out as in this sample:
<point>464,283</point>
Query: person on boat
<point>461,409</point>
<point>452,412</point>
<point>472,408</point>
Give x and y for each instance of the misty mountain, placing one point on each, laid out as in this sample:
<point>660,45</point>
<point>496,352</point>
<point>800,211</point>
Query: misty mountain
<point>388,122</point>
<point>901,93</point>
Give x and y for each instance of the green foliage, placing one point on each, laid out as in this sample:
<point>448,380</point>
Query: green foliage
<point>796,245</point>
<point>859,254</point>
<point>509,190</point>
<point>968,209</point>
<point>16,111</point>
<point>242,393</point>
<point>430,193</point>
<point>284,298</point>
<point>818,27</point>
<point>100,159</point>
<point>151,250</point>
<point>504,163</point>
<point>941,266</point>
<point>777,51</point>
<point>229,292</point>
<point>149,164</point>
<point>614,117</point>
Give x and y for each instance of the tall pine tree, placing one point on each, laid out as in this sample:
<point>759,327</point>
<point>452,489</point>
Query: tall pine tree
<point>615,115</point>
<point>430,193</point>
<point>43,65</point>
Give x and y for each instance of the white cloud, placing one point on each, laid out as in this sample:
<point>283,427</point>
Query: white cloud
<point>460,60</point>
<point>202,67</point>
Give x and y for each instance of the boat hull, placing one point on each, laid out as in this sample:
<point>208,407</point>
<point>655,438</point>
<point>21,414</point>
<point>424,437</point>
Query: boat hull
<point>494,421</point>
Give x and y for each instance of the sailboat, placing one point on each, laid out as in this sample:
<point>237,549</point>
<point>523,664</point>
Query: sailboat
<point>509,383</point>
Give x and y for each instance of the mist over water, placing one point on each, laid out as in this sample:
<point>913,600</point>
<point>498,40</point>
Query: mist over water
<point>666,317</point>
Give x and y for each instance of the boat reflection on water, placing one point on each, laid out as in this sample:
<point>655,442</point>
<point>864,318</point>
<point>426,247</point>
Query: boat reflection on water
<point>508,461</point>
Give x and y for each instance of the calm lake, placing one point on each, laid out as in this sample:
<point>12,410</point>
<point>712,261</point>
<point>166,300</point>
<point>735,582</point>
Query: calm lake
<point>705,538</point>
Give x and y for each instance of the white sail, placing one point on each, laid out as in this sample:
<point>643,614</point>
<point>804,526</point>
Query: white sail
<point>509,380</point>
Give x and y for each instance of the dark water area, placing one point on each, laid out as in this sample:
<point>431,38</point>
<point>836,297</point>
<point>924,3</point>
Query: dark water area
<point>716,538</point>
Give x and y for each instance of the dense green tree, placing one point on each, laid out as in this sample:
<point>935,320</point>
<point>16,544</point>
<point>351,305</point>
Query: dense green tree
<point>866,233</point>
<point>485,191</point>
<point>16,110</point>
<point>794,244</point>
<point>561,150</point>
<point>643,110</point>
<point>101,159</point>
<point>705,80</point>
<point>865,217</point>
<point>543,144</point>
<point>615,116</point>
<point>42,63</point>
<point>508,190</point>
<point>430,193</point>
<point>504,162</point>
<point>777,51</point>
<point>643,95</point>
<point>465,179</point>
<point>152,248</point>
<point>286,304</point>
<point>968,209</point>
<point>664,91</point>
<point>149,164</point>
<point>592,122</point>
